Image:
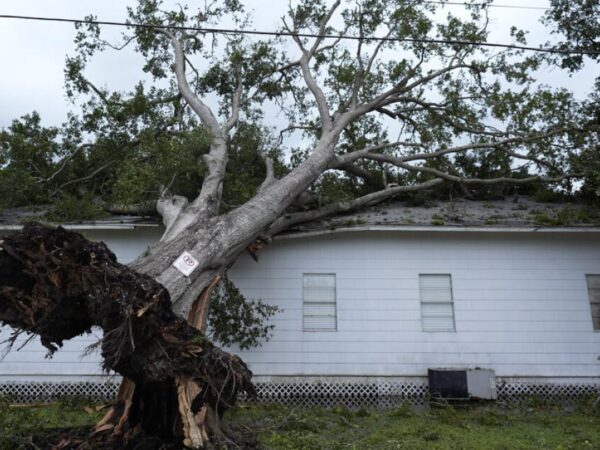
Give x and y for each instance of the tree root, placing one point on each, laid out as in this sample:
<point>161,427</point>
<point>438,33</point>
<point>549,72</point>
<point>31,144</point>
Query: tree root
<point>56,284</point>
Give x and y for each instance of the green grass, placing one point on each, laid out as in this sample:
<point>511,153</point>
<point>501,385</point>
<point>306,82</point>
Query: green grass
<point>536,426</point>
<point>467,427</point>
<point>19,423</point>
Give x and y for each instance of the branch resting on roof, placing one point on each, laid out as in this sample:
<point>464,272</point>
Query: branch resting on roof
<point>290,220</point>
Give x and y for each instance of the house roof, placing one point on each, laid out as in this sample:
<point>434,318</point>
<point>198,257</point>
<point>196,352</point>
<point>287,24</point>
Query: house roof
<point>513,214</point>
<point>14,218</point>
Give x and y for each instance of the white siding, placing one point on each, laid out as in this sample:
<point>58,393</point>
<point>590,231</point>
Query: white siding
<point>521,306</point>
<point>520,303</point>
<point>68,364</point>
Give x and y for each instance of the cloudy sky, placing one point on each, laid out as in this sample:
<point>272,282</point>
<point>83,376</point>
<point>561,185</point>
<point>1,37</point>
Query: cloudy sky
<point>33,53</point>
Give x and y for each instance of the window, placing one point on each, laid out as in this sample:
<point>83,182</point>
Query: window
<point>318,301</point>
<point>437,309</point>
<point>593,285</point>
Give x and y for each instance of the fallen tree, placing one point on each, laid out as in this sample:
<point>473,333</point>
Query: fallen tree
<point>57,285</point>
<point>445,97</point>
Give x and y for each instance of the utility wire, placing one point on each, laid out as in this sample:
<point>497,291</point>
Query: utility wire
<point>489,5</point>
<point>306,35</point>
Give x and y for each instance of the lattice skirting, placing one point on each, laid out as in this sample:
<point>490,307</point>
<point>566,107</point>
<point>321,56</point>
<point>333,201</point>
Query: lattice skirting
<point>380,393</point>
<point>34,392</point>
<point>515,391</point>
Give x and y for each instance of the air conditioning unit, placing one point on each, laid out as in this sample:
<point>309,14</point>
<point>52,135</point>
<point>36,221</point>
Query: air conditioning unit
<point>462,384</point>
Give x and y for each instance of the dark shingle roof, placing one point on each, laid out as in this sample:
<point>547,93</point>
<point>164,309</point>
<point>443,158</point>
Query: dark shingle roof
<point>510,213</point>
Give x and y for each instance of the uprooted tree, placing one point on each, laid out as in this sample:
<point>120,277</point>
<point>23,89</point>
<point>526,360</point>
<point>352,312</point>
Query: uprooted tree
<point>462,115</point>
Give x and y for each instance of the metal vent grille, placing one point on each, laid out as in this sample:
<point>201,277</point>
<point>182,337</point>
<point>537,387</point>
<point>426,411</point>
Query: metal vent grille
<point>379,394</point>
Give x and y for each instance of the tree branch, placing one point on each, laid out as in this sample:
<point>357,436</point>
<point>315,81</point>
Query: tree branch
<point>235,102</point>
<point>270,174</point>
<point>85,178</point>
<point>369,177</point>
<point>208,201</point>
<point>289,220</point>
<point>391,95</point>
<point>349,158</point>
<point>170,207</point>
<point>364,70</point>
<point>398,162</point>
<point>310,81</point>
<point>489,145</point>
<point>200,108</point>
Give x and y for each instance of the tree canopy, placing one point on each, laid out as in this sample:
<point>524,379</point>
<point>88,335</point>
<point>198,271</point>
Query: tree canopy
<point>119,150</point>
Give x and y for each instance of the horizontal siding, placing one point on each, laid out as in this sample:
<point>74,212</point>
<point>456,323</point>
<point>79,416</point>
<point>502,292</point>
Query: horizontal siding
<point>520,304</point>
<point>368,369</point>
<point>69,364</point>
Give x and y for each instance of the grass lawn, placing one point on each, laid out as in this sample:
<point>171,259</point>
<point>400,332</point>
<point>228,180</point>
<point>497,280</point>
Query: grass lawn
<point>448,428</point>
<point>278,427</point>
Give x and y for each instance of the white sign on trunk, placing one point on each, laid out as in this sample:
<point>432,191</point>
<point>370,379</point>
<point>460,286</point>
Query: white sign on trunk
<point>186,263</point>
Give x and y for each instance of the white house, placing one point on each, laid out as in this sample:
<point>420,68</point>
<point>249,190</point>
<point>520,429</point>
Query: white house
<point>371,301</point>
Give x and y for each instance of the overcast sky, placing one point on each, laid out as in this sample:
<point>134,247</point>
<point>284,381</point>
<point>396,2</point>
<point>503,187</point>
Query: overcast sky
<point>33,53</point>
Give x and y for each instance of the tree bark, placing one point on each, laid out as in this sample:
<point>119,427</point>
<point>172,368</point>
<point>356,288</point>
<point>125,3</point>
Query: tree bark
<point>56,284</point>
<point>216,242</point>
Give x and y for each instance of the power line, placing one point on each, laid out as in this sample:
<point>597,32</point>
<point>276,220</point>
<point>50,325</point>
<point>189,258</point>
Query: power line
<point>305,35</point>
<point>488,5</point>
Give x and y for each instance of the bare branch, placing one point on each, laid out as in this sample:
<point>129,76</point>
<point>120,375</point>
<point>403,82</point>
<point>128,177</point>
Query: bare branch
<point>370,178</point>
<point>101,94</point>
<point>398,162</point>
<point>323,26</point>
<point>289,220</point>
<point>478,146</point>
<point>391,95</point>
<point>127,41</point>
<point>104,98</point>
<point>309,79</point>
<point>364,70</point>
<point>200,108</point>
<point>85,178</point>
<point>318,94</point>
<point>64,163</point>
<point>349,158</point>
<point>433,109</point>
<point>270,174</point>
<point>293,128</point>
<point>235,102</point>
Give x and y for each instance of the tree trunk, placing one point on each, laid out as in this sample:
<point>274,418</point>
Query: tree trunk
<point>177,383</point>
<point>216,242</point>
<point>56,284</point>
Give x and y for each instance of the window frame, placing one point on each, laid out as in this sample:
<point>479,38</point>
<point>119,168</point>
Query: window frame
<point>451,302</point>
<point>590,302</point>
<point>335,305</point>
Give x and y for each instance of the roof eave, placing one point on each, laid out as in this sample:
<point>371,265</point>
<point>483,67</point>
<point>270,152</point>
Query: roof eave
<point>91,226</point>
<point>438,229</point>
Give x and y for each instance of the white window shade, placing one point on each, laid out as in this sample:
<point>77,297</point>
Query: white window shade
<point>437,308</point>
<point>593,285</point>
<point>319,302</point>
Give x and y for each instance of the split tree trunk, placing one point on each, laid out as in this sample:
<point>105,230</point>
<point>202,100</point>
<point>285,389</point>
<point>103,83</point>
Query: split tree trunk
<point>179,384</point>
<point>56,284</point>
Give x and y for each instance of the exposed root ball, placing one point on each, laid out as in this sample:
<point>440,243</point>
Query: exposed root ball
<point>57,284</point>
